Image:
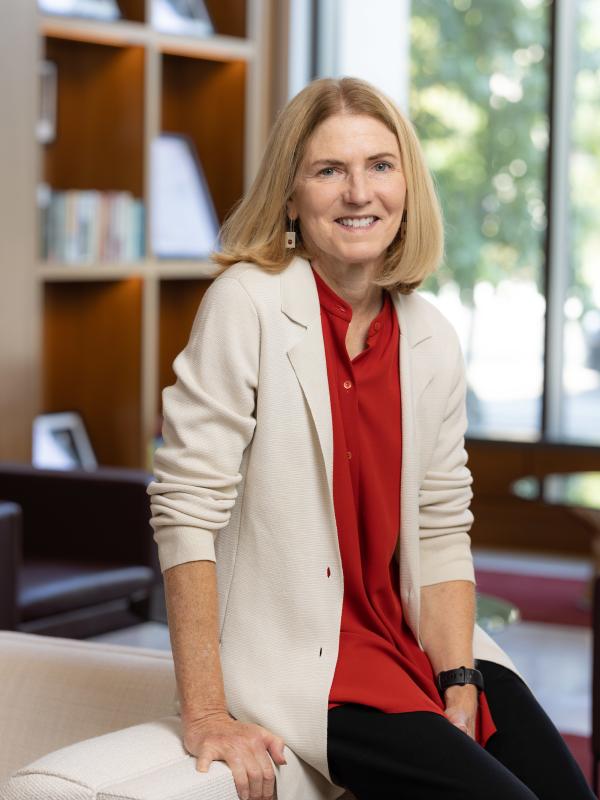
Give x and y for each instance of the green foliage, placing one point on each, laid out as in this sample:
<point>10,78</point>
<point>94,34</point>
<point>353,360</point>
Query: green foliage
<point>479,101</point>
<point>585,160</point>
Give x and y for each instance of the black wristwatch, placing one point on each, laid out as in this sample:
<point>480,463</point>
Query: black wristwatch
<point>459,676</point>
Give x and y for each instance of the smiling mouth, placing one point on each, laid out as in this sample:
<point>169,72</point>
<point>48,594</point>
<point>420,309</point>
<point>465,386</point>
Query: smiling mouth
<point>357,223</point>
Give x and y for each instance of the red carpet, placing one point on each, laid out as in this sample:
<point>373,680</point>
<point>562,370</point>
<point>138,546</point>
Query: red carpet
<point>540,599</point>
<point>581,748</point>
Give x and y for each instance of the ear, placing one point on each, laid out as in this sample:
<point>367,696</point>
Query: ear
<point>291,209</point>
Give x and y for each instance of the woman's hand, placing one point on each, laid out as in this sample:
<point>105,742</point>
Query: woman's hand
<point>461,707</point>
<point>243,746</point>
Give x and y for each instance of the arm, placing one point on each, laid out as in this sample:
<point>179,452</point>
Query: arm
<point>447,618</point>
<point>447,622</point>
<point>192,609</point>
<point>208,421</point>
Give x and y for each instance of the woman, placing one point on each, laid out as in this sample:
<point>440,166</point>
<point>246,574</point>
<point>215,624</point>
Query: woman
<point>311,500</point>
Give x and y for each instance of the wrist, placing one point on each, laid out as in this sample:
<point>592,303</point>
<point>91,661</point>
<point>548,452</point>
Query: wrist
<point>459,677</point>
<point>190,715</point>
<point>458,693</point>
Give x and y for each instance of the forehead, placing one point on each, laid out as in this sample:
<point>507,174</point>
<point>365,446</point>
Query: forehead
<point>347,134</point>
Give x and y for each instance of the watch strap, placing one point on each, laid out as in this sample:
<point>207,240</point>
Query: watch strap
<point>459,677</point>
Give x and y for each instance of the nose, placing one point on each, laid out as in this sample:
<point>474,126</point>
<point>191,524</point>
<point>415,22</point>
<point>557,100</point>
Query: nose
<point>357,189</point>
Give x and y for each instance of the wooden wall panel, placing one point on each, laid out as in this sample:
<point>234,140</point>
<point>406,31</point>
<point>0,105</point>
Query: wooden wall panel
<point>92,356</point>
<point>179,302</point>
<point>134,10</point>
<point>100,117</point>
<point>228,16</point>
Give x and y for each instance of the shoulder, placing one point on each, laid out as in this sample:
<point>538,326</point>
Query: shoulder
<point>426,320</point>
<point>249,276</point>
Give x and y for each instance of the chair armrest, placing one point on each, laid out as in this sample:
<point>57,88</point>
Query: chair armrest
<point>145,762</point>
<point>96,515</point>
<point>10,560</point>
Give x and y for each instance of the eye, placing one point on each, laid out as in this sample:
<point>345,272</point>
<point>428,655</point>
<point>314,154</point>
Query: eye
<point>382,164</point>
<point>324,170</point>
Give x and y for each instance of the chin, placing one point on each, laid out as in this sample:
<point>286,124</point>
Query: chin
<point>357,253</point>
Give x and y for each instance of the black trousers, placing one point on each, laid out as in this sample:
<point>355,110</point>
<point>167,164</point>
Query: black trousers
<point>422,756</point>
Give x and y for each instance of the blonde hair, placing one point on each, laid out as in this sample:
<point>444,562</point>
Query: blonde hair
<point>254,230</point>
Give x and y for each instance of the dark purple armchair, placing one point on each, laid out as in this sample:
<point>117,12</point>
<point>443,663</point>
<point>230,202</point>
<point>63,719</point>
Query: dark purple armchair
<point>77,557</point>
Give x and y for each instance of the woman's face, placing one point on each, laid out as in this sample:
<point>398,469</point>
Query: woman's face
<point>350,190</point>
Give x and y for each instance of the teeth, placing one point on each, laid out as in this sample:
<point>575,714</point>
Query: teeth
<point>351,222</point>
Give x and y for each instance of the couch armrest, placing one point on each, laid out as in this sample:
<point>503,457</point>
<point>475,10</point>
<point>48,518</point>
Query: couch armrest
<point>10,560</point>
<point>142,762</point>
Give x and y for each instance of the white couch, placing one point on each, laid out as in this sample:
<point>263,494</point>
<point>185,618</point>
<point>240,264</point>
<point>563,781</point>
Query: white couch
<point>82,720</point>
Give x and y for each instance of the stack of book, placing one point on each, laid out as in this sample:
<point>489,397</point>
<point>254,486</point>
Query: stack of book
<point>91,226</point>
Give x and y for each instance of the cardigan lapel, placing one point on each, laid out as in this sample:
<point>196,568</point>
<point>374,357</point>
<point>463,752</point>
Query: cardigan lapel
<point>300,302</point>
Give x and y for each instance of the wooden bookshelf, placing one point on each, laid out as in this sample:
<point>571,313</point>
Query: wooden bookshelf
<point>109,331</point>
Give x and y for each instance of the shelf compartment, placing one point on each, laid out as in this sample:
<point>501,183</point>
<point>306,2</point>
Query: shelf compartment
<point>100,118</point>
<point>193,104</point>
<point>179,302</point>
<point>133,9</point>
<point>91,357</point>
<point>228,16</point>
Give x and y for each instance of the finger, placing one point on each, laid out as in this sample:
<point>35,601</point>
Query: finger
<point>276,747</point>
<point>240,775</point>
<point>205,759</point>
<point>461,726</point>
<point>254,770</point>
<point>268,773</point>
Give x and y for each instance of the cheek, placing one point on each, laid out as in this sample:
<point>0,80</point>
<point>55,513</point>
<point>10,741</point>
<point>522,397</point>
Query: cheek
<point>395,197</point>
<point>317,211</point>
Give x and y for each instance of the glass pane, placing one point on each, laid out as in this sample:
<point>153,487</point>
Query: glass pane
<point>581,374</point>
<point>479,99</point>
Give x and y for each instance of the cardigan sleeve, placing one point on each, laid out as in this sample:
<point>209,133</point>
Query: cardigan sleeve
<point>208,421</point>
<point>445,494</point>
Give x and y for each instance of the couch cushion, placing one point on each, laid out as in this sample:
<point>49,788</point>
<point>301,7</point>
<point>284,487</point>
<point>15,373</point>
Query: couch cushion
<point>49,587</point>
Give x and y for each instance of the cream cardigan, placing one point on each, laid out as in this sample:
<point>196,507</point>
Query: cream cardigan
<point>244,478</point>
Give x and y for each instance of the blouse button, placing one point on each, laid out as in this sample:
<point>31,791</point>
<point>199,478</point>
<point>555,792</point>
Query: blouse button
<point>347,384</point>
<point>328,572</point>
<point>377,325</point>
<point>349,454</point>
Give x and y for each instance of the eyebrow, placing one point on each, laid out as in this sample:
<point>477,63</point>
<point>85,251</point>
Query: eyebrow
<point>337,163</point>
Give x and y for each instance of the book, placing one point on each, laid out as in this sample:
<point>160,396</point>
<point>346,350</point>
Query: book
<point>106,10</point>
<point>186,17</point>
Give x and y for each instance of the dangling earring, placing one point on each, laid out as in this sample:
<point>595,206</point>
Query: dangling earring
<point>290,236</point>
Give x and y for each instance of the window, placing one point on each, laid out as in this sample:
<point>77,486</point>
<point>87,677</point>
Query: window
<point>482,82</point>
<point>579,415</point>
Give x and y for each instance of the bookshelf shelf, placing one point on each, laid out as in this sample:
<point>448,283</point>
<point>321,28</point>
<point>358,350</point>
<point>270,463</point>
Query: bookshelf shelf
<point>53,272</point>
<point>125,33</point>
<point>110,329</point>
<point>109,271</point>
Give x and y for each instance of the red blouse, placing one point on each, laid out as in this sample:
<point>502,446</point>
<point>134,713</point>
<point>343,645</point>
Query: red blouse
<point>380,663</point>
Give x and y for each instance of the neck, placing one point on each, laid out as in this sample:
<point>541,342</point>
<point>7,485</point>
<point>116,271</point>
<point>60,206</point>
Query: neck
<point>353,283</point>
